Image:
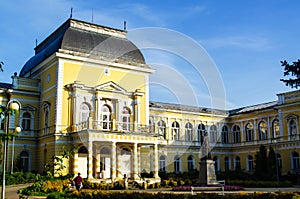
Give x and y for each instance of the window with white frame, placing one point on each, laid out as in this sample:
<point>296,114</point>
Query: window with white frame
<point>249,132</point>
<point>190,162</point>
<point>162,163</point>
<point>161,125</point>
<point>262,130</point>
<point>250,165</point>
<point>84,113</point>
<point>275,128</point>
<point>292,127</point>
<point>213,134</point>
<point>200,132</point>
<point>175,131</point>
<point>189,131</point>
<point>26,121</point>
<point>106,117</point>
<point>225,135</point>
<point>236,134</point>
<point>177,164</point>
<point>295,161</point>
<point>126,119</point>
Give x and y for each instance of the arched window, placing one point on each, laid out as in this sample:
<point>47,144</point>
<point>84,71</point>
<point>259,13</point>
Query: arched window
<point>213,133</point>
<point>250,165</point>
<point>26,121</point>
<point>161,125</point>
<point>46,109</point>
<point>249,132</point>
<point>295,161</point>
<point>190,161</point>
<point>189,132</point>
<point>237,163</point>
<point>236,134</point>
<point>227,163</point>
<point>200,132</point>
<point>216,163</point>
<point>262,131</point>
<point>225,135</point>
<point>177,164</point>
<point>292,128</point>
<point>106,117</point>
<point>162,163</point>
<point>176,131</point>
<point>84,113</point>
<point>24,161</point>
<point>126,119</point>
<point>275,128</point>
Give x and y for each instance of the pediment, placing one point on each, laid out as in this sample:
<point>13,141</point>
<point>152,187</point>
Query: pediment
<point>28,108</point>
<point>111,87</point>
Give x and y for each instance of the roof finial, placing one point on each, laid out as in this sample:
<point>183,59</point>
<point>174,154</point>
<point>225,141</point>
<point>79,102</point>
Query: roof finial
<point>92,15</point>
<point>36,42</point>
<point>125,25</point>
<point>71,15</point>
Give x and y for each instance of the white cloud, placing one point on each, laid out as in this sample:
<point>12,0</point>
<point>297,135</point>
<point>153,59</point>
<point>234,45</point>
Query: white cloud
<point>250,42</point>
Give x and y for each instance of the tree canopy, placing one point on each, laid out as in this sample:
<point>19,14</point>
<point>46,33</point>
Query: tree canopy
<point>293,71</point>
<point>1,66</point>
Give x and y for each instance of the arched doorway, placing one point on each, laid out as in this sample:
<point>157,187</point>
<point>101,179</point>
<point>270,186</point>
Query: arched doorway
<point>125,162</point>
<point>83,161</point>
<point>105,163</point>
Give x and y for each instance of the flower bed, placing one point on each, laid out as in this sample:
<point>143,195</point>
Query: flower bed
<point>226,188</point>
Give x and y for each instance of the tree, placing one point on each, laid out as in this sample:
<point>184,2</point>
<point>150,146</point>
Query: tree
<point>272,164</point>
<point>291,70</point>
<point>1,66</point>
<point>261,166</point>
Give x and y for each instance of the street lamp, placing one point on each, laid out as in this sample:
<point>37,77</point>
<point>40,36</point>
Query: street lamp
<point>12,107</point>
<point>276,159</point>
<point>17,130</point>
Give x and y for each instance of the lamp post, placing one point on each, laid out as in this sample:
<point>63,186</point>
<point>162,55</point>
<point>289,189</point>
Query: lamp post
<point>276,159</point>
<point>17,130</point>
<point>12,107</point>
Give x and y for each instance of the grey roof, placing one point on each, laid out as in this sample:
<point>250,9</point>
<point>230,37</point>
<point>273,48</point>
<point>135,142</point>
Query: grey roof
<point>252,108</point>
<point>5,85</point>
<point>95,44</point>
<point>180,107</point>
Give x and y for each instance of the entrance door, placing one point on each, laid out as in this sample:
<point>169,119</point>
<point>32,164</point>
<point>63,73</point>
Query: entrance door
<point>82,165</point>
<point>105,166</point>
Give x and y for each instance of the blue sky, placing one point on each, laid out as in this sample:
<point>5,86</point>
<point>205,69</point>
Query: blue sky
<point>245,39</point>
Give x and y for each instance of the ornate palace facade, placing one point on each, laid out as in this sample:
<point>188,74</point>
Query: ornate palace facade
<point>86,88</point>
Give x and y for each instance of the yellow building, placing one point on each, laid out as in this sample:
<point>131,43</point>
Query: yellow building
<point>86,88</point>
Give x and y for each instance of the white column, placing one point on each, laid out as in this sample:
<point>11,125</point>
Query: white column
<point>135,161</point>
<point>90,160</point>
<point>242,132</point>
<point>75,164</point>
<point>155,151</point>
<point>254,128</point>
<point>113,161</point>
<point>98,166</point>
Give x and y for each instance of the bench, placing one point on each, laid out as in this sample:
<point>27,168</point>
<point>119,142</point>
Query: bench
<point>209,188</point>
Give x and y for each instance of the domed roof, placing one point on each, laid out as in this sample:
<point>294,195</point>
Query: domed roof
<point>92,40</point>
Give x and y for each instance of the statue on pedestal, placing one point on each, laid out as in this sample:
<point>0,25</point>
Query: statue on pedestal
<point>207,174</point>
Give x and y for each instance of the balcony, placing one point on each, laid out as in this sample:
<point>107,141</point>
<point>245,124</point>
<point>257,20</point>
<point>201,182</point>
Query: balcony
<point>115,127</point>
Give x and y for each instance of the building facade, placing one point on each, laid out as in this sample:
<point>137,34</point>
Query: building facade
<point>87,89</point>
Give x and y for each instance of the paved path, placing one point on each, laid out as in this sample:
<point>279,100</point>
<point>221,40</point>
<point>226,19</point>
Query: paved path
<point>11,191</point>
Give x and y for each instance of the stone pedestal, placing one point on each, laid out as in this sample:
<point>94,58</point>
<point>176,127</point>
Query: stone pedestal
<point>207,174</point>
